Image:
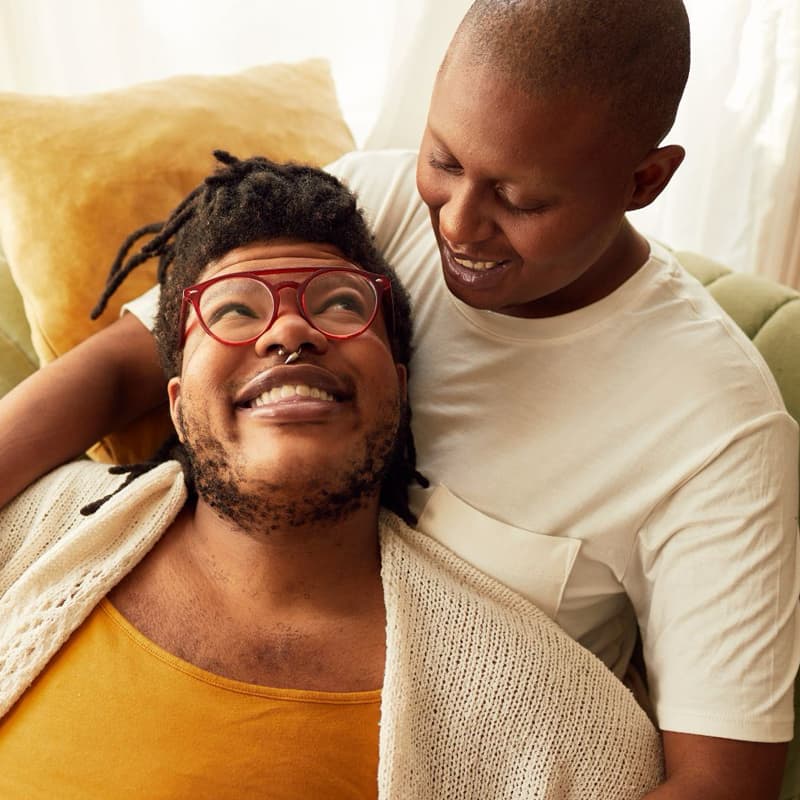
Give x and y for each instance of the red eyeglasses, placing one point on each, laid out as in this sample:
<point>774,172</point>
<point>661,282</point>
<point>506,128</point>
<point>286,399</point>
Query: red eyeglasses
<point>238,307</point>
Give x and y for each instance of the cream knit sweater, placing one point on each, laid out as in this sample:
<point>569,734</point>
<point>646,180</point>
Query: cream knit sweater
<point>484,697</point>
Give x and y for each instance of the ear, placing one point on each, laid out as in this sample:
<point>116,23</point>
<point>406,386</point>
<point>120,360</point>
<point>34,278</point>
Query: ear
<point>654,173</point>
<point>174,394</point>
<point>402,380</point>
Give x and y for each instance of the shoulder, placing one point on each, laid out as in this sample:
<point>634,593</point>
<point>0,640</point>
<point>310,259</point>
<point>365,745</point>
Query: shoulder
<point>51,507</point>
<point>683,342</point>
<point>683,299</point>
<point>384,182</point>
<point>363,168</point>
<point>59,495</point>
<point>83,480</point>
<point>145,307</point>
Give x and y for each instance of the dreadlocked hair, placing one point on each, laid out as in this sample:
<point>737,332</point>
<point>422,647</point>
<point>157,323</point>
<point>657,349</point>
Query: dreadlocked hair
<point>257,200</point>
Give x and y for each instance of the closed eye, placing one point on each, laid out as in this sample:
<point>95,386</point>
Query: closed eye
<point>341,301</point>
<point>230,311</point>
<point>520,210</point>
<point>451,167</point>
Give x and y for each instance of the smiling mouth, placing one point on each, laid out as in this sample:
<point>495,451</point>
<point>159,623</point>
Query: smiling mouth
<point>289,392</point>
<point>476,266</point>
<point>474,273</point>
<point>296,386</point>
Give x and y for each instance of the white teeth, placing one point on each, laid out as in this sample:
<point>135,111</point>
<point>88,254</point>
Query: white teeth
<point>288,390</point>
<point>479,266</point>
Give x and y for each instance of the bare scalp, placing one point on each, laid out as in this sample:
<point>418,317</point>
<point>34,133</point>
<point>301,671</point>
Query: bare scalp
<point>631,55</point>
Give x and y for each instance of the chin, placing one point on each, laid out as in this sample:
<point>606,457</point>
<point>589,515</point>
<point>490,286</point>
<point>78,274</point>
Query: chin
<point>289,469</point>
<point>484,301</point>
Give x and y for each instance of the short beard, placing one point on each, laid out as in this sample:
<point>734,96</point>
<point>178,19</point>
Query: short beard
<point>260,506</point>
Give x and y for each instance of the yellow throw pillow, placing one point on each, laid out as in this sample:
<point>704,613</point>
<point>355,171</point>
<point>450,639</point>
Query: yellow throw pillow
<point>77,174</point>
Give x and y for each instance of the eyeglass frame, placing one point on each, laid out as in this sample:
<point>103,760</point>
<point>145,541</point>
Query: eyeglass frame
<point>381,285</point>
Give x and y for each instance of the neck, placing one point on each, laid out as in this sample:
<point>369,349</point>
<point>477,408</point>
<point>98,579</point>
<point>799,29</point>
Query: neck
<point>300,607</point>
<point>323,564</point>
<point>624,257</point>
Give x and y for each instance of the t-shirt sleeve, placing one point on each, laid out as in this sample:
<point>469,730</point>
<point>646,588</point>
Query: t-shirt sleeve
<point>715,580</point>
<point>144,307</point>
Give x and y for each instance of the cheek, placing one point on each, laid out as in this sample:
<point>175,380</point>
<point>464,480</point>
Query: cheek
<point>204,356</point>
<point>551,237</point>
<point>379,381</point>
<point>208,371</point>
<point>432,189</point>
<point>385,382</point>
<point>533,239</point>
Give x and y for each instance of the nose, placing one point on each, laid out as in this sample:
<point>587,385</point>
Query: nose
<point>464,218</point>
<point>290,330</point>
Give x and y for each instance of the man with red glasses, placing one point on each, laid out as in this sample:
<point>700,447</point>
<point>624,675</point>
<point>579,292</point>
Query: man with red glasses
<point>238,618</point>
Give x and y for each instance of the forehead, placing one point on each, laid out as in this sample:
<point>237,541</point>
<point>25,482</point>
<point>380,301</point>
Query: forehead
<point>277,254</point>
<point>506,133</point>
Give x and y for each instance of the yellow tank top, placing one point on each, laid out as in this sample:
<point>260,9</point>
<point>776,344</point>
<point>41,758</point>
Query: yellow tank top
<point>115,716</point>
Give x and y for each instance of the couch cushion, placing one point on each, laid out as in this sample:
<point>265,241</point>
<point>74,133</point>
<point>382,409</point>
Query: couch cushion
<point>78,174</point>
<point>17,358</point>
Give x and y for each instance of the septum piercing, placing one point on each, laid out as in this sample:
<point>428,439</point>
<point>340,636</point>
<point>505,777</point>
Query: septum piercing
<point>292,356</point>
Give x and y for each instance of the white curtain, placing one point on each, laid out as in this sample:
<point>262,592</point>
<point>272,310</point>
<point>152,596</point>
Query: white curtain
<point>77,46</point>
<point>737,195</point>
<point>736,198</point>
<point>417,49</point>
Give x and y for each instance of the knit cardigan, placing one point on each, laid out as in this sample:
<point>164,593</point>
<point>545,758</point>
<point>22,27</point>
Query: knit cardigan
<point>483,696</point>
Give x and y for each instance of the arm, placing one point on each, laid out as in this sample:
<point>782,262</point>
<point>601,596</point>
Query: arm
<point>102,384</point>
<point>716,600</point>
<point>707,768</point>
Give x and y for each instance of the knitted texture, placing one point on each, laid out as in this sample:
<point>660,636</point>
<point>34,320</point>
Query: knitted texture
<point>493,699</point>
<point>484,696</point>
<point>78,559</point>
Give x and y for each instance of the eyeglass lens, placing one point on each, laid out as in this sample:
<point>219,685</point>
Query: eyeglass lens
<point>336,302</point>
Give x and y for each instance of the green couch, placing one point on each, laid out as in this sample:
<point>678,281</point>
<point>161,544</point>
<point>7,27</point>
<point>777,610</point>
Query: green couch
<point>768,312</point>
<point>17,358</point>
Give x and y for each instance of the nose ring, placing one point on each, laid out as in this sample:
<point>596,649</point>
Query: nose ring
<point>291,357</point>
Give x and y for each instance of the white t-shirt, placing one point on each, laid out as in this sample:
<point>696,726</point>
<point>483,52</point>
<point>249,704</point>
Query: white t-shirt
<point>629,461</point>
